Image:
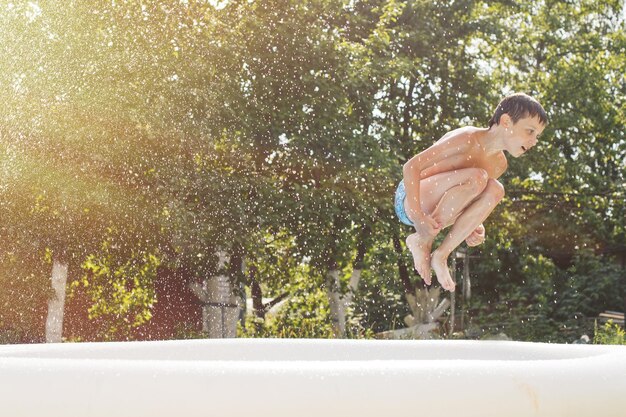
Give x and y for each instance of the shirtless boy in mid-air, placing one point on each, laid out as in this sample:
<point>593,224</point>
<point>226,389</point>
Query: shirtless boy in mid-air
<point>455,182</point>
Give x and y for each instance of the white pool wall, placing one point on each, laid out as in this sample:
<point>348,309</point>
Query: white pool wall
<point>287,377</point>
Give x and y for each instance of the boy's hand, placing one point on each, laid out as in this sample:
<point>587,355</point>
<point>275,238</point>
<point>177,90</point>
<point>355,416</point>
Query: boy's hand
<point>426,225</point>
<point>477,237</point>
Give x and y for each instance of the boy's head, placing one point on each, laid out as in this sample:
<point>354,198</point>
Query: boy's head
<point>519,106</point>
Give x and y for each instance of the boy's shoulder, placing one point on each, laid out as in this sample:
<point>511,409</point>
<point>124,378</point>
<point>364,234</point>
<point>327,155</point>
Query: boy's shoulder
<point>466,140</point>
<point>468,133</point>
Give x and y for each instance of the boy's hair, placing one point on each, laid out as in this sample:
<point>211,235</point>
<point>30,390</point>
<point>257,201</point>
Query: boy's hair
<point>519,106</point>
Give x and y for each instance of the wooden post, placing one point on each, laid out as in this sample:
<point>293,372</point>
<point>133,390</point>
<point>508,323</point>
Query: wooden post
<point>453,295</point>
<point>220,310</point>
<point>466,288</point>
<point>467,285</point>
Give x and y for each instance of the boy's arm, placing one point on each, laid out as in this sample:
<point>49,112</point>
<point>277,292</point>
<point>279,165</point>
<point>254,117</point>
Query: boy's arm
<point>412,169</point>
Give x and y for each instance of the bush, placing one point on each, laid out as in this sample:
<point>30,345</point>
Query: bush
<point>540,302</point>
<point>305,315</point>
<point>609,334</point>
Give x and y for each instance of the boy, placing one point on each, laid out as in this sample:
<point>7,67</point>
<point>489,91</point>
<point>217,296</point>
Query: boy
<point>454,182</point>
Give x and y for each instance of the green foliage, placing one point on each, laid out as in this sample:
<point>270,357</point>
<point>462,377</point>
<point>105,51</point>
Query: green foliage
<point>523,308</point>
<point>305,315</point>
<point>591,285</point>
<point>547,303</point>
<point>120,287</point>
<point>379,304</point>
<point>184,332</point>
<point>609,334</point>
<point>11,336</point>
<point>25,283</point>
<point>279,128</point>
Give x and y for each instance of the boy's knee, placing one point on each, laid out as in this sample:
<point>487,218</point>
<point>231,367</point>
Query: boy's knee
<point>495,189</point>
<point>478,179</point>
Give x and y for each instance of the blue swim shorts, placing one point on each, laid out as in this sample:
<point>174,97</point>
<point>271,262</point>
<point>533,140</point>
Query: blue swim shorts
<point>399,204</point>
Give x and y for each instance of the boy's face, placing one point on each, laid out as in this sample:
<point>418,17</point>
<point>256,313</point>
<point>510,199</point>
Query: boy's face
<point>523,135</point>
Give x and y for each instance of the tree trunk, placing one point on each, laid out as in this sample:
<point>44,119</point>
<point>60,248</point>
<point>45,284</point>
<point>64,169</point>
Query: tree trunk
<point>336,304</point>
<point>352,286</point>
<point>409,287</point>
<point>56,304</point>
<point>257,294</point>
<point>357,267</point>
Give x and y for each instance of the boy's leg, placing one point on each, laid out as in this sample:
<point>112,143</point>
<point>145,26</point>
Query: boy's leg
<point>458,198</point>
<point>443,196</point>
<point>465,224</point>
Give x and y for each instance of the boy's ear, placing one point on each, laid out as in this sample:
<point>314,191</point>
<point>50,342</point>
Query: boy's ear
<point>505,120</point>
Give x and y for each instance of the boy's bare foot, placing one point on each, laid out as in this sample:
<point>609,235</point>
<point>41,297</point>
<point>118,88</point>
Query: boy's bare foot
<point>420,249</point>
<point>440,265</point>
